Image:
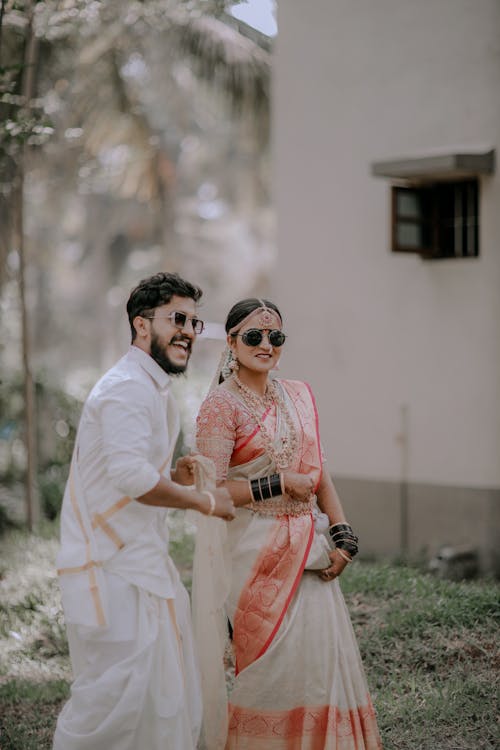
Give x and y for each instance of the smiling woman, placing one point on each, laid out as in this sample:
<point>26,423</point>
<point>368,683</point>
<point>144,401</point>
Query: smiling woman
<point>299,678</point>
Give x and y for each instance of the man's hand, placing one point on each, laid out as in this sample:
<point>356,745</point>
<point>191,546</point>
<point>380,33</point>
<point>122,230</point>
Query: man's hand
<point>224,506</point>
<point>335,569</point>
<point>184,471</point>
<point>298,486</point>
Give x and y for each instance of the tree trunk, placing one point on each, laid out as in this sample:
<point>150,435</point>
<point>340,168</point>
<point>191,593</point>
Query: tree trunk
<point>32,497</point>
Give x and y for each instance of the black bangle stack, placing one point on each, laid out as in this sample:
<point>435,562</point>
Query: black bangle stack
<point>344,538</point>
<point>265,487</point>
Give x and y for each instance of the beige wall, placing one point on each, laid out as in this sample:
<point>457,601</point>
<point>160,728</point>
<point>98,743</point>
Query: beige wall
<point>436,516</point>
<point>373,332</point>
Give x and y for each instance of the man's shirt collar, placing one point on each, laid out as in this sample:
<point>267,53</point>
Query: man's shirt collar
<point>161,378</point>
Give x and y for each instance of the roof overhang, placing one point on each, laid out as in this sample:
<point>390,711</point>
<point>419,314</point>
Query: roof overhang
<point>445,166</point>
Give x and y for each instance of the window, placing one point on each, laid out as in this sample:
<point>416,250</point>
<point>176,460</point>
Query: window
<point>436,220</point>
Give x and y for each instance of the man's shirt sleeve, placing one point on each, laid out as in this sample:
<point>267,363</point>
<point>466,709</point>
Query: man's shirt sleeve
<point>127,414</point>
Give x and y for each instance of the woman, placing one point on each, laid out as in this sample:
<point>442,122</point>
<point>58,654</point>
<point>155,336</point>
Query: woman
<point>299,681</point>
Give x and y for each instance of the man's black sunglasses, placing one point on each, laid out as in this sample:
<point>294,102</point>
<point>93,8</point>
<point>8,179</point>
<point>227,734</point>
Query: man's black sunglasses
<point>254,336</point>
<point>179,320</point>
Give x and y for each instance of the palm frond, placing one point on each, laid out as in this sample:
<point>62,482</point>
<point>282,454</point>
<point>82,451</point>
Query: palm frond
<point>220,53</point>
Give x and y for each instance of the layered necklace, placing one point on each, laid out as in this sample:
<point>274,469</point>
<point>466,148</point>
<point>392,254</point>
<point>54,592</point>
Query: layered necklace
<point>257,405</point>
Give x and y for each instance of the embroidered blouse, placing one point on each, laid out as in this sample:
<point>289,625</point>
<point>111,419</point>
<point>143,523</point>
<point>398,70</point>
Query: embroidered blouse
<point>227,432</point>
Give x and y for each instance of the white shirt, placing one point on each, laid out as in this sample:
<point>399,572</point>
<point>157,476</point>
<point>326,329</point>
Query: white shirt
<point>128,427</point>
<point>123,436</point>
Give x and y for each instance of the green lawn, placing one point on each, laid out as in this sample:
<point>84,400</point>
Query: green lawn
<point>429,647</point>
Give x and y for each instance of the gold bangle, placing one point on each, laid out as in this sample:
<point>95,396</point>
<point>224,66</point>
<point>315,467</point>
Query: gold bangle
<point>343,554</point>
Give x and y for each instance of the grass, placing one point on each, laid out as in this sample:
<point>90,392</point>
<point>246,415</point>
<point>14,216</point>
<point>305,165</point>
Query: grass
<point>430,651</point>
<point>28,713</point>
<point>429,648</point>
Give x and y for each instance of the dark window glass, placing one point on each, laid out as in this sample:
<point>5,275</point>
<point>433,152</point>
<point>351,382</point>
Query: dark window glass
<point>439,220</point>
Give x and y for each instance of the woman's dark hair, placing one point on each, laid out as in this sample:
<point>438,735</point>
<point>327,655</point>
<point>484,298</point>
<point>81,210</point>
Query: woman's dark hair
<point>241,309</point>
<point>155,291</point>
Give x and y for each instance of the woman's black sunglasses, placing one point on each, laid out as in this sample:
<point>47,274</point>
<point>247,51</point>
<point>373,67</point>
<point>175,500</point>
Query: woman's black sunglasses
<point>254,336</point>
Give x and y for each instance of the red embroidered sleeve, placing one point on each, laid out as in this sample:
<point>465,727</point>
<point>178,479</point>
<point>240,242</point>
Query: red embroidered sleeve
<point>216,430</point>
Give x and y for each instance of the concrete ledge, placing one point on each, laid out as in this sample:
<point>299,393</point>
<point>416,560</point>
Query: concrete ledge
<point>436,516</point>
<point>449,165</point>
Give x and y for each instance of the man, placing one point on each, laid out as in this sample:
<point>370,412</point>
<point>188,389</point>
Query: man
<point>127,613</point>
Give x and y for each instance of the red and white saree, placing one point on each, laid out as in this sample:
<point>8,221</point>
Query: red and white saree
<point>299,681</point>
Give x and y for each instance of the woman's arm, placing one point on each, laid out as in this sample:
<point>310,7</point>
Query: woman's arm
<point>329,503</point>
<point>239,491</point>
<point>297,487</point>
<point>328,499</point>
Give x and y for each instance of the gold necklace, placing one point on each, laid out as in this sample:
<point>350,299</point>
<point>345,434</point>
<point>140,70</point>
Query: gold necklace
<point>256,405</point>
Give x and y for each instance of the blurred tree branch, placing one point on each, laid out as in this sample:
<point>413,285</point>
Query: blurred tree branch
<point>97,39</point>
<point>74,95</point>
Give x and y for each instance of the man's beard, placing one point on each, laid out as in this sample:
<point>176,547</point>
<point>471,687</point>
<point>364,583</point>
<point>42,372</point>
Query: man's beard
<point>161,358</point>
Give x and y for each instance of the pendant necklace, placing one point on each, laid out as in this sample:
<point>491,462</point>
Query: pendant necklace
<point>257,405</point>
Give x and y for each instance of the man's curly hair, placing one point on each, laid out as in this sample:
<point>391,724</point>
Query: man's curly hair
<point>155,291</point>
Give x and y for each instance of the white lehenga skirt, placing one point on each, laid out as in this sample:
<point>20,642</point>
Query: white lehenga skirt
<point>308,691</point>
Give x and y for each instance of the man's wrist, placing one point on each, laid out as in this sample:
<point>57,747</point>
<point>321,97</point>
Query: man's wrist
<point>199,501</point>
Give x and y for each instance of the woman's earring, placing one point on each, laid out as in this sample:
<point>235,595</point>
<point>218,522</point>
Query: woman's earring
<point>231,365</point>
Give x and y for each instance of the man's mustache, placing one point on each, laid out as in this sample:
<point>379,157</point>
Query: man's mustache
<point>180,337</point>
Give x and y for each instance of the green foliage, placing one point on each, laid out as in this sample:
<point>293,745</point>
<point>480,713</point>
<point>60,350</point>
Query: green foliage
<point>57,419</point>
<point>5,521</point>
<point>23,120</point>
<point>32,631</point>
<point>181,546</point>
<point>51,485</point>
<point>107,30</point>
<point>24,128</point>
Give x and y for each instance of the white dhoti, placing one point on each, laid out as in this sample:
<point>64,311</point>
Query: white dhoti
<point>136,685</point>
<point>127,613</point>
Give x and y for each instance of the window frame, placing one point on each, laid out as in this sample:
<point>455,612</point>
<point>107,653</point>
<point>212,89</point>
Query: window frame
<point>467,191</point>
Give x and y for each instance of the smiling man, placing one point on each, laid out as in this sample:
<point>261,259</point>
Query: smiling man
<point>127,613</point>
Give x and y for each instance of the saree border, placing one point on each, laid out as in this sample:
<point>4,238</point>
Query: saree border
<point>314,727</point>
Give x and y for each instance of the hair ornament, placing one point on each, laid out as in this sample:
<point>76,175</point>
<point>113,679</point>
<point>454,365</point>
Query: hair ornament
<point>267,318</point>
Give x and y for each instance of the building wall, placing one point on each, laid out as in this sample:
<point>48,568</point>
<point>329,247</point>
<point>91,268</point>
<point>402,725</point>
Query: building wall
<point>403,354</point>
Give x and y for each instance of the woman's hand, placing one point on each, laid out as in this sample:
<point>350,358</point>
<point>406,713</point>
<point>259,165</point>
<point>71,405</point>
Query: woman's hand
<point>336,568</point>
<point>184,470</point>
<point>298,486</point>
